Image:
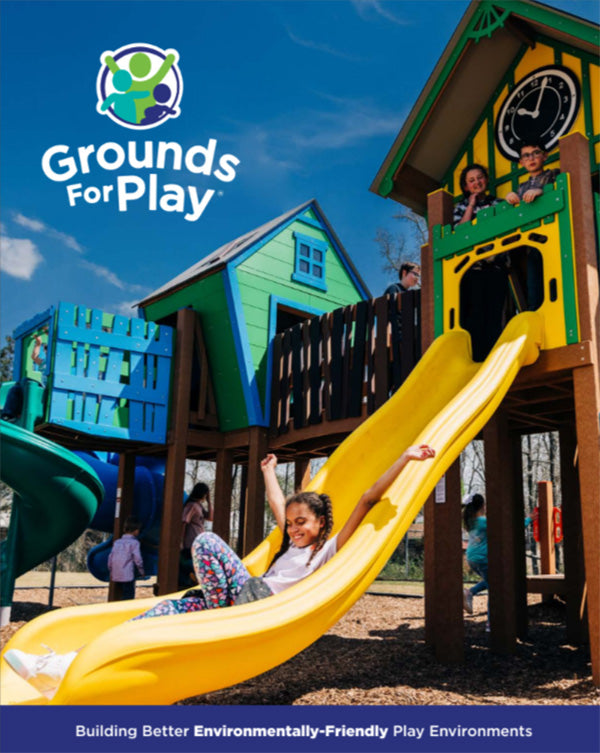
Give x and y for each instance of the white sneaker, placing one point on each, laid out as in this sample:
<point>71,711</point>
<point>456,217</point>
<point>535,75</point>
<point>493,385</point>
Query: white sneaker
<point>43,672</point>
<point>468,601</point>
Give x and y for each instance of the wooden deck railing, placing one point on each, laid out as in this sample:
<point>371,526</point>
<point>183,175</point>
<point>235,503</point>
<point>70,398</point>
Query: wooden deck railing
<point>345,363</point>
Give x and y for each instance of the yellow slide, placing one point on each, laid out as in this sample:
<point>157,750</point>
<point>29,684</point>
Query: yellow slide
<point>445,402</point>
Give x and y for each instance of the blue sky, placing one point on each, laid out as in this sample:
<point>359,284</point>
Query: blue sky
<point>308,95</point>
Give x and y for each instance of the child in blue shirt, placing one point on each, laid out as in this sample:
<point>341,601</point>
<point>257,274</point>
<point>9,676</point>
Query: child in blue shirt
<point>475,523</point>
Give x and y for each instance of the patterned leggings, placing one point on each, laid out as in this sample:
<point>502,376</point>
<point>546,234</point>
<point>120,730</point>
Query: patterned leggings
<point>221,575</point>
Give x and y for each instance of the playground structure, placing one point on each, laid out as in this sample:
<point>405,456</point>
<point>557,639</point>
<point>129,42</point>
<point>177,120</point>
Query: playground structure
<point>243,385</point>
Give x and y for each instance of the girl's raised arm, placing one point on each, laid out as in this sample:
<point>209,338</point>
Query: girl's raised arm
<point>275,496</point>
<point>373,495</point>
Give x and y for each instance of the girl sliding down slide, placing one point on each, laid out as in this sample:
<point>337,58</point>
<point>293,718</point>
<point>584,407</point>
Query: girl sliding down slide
<point>306,521</point>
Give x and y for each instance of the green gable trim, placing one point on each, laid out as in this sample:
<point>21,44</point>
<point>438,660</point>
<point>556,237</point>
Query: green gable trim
<point>491,19</point>
<point>586,31</point>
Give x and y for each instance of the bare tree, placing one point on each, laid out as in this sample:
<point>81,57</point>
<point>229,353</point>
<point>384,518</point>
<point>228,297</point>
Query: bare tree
<point>405,245</point>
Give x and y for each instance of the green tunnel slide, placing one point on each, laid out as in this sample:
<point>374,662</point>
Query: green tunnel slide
<point>56,496</point>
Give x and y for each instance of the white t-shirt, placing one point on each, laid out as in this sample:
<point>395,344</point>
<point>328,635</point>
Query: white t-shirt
<point>291,566</point>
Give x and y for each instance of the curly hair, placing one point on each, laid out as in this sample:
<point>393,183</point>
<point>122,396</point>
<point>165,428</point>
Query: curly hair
<point>320,505</point>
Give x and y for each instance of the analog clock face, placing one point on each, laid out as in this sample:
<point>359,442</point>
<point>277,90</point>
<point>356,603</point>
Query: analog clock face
<point>542,107</point>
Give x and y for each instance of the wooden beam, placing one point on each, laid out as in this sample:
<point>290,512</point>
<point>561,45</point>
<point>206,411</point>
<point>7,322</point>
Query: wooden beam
<point>573,536</point>
<point>575,159</point>
<point>444,617</point>
<point>170,530</point>
<point>567,358</point>
<point>123,508</point>
<point>504,550</point>
<point>301,473</point>
<point>585,382</point>
<point>441,546</point>
<point>546,528</point>
<point>255,498</point>
<point>223,490</point>
<point>547,585</point>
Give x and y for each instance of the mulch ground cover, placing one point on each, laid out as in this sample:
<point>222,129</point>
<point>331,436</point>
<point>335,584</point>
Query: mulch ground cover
<point>376,655</point>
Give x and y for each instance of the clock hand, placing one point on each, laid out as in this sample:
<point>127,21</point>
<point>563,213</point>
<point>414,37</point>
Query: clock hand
<point>535,113</point>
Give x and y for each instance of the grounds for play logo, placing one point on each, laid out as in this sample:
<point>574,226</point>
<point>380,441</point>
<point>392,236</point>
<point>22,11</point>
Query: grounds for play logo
<point>139,86</point>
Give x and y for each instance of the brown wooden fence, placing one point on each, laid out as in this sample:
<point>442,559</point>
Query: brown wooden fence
<point>345,363</point>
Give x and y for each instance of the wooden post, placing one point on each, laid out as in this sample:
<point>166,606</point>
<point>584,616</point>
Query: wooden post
<point>520,596</point>
<point>170,530</point>
<point>546,528</point>
<point>575,159</point>
<point>123,508</point>
<point>573,537</point>
<point>301,473</point>
<point>447,632</point>
<point>505,535</point>
<point>223,489</point>
<point>239,543</point>
<point>255,498</point>
<point>444,628</point>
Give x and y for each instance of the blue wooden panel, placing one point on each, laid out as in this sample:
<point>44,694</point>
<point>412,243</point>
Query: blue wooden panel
<point>111,381</point>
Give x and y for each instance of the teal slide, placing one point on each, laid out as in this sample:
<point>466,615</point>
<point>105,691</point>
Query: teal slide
<point>56,496</point>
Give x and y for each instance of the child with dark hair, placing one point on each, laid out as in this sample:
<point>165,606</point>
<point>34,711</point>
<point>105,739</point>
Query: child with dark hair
<point>409,275</point>
<point>125,556</point>
<point>533,156</point>
<point>196,512</point>
<point>473,182</point>
<point>475,523</point>
<point>306,521</point>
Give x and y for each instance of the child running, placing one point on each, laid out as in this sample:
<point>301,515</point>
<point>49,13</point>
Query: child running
<point>306,521</point>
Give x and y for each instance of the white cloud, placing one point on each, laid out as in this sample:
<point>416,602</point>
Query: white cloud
<point>292,141</point>
<point>126,308</point>
<point>104,273</point>
<point>113,279</point>
<point>40,227</point>
<point>321,47</point>
<point>19,257</point>
<point>366,9</point>
<point>351,122</point>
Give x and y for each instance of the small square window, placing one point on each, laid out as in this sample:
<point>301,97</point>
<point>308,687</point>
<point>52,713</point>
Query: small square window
<point>309,267</point>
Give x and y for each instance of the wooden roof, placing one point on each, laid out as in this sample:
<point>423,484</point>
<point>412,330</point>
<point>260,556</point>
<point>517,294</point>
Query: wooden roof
<point>486,41</point>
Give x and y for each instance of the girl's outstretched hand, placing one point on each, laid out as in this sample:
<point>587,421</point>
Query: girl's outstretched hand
<point>270,461</point>
<point>419,452</point>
